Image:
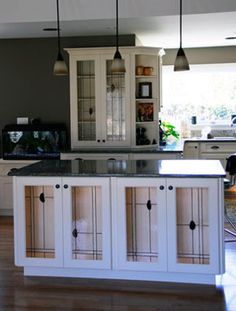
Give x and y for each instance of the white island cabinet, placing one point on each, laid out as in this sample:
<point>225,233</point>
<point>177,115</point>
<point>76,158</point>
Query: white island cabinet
<point>139,220</point>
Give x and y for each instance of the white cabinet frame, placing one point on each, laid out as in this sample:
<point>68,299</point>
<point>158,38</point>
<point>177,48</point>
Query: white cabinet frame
<point>215,219</point>
<point>104,183</point>
<point>20,222</point>
<point>119,224</point>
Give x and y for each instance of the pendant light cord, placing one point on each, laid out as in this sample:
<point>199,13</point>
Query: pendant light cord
<point>58,28</point>
<point>117,35</point>
<point>180,18</point>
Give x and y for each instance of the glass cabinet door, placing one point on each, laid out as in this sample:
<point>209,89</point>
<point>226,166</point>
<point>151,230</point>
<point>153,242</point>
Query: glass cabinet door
<point>141,224</point>
<point>40,222</point>
<point>116,108</point>
<point>86,100</point>
<point>87,218</point>
<point>192,214</point>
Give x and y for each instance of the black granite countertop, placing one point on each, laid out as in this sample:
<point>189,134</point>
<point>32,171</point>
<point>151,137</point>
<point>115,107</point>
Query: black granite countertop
<point>176,147</point>
<point>125,168</point>
<point>213,140</point>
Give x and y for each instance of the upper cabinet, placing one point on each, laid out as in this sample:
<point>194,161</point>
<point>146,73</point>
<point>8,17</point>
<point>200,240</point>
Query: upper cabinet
<point>114,110</point>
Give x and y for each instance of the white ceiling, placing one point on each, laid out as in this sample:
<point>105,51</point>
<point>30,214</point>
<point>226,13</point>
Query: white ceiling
<point>155,22</point>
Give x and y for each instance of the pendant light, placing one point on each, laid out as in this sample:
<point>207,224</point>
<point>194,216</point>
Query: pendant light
<point>118,64</point>
<point>181,62</point>
<point>60,67</point>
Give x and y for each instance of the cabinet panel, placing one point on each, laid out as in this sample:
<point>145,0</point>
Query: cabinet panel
<point>192,217</point>
<point>85,93</point>
<point>38,222</point>
<point>86,210</point>
<point>141,231</point>
<point>191,150</point>
<point>86,89</point>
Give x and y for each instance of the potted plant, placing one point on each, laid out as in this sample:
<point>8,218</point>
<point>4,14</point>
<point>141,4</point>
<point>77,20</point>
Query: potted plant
<point>168,133</point>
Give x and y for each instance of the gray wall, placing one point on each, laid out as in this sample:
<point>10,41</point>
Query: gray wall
<point>27,85</point>
<point>29,89</point>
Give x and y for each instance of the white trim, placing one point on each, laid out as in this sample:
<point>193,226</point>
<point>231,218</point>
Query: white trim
<point>125,275</point>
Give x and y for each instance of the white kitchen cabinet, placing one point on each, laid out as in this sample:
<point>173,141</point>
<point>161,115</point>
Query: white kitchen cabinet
<point>147,96</point>
<point>140,228</point>
<point>169,225</point>
<point>110,109</point>
<point>87,232</point>
<point>84,226</point>
<point>38,222</point>
<point>191,150</point>
<point>6,187</point>
<point>193,215</point>
<point>100,110</point>
<point>211,149</point>
<point>140,225</point>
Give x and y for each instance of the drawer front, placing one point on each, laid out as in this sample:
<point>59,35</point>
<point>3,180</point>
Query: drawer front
<point>218,147</point>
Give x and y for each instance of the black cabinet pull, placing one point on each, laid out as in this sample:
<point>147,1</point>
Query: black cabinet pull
<point>98,140</point>
<point>170,187</point>
<point>215,147</point>
<point>103,141</point>
<point>42,197</point>
<point>111,159</point>
<point>75,233</point>
<point>149,205</point>
<point>161,187</point>
<point>57,186</point>
<point>192,225</point>
<point>65,186</point>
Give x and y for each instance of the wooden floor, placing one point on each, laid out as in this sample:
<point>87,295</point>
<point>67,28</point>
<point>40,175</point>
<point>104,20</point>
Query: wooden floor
<point>40,293</point>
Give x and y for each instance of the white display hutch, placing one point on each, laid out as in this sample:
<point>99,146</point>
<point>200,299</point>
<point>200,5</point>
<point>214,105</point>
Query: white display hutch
<point>114,110</point>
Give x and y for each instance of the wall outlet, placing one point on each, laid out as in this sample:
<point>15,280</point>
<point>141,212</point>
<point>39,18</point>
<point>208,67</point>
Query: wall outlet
<point>22,120</point>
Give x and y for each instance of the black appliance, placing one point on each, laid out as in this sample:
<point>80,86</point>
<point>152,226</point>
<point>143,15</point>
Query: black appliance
<point>33,141</point>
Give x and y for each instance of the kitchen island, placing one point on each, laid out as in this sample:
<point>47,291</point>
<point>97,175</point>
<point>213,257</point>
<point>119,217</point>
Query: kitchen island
<point>138,220</point>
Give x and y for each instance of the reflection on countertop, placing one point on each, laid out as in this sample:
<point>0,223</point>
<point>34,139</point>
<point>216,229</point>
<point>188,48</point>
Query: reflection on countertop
<point>175,147</point>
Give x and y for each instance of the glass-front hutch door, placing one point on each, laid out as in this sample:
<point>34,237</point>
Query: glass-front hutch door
<point>38,222</point>
<point>86,210</point>
<point>194,241</point>
<point>116,103</point>
<point>85,94</point>
<point>140,224</point>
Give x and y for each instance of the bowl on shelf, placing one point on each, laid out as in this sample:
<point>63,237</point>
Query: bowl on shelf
<point>139,70</point>
<point>147,71</point>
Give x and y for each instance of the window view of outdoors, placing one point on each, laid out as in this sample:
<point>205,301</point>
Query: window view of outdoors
<point>206,91</point>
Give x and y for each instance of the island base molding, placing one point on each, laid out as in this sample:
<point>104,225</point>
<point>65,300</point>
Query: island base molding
<point>193,278</point>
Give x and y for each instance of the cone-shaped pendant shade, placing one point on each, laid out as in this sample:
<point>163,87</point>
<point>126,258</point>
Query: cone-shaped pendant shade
<point>118,64</point>
<point>181,62</point>
<point>60,67</point>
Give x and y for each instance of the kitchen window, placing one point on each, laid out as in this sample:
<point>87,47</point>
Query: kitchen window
<point>206,91</point>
